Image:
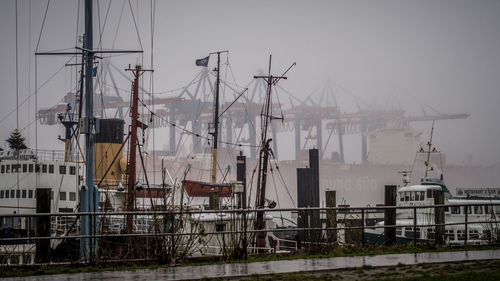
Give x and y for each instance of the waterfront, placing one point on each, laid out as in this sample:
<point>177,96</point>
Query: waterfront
<point>273,267</point>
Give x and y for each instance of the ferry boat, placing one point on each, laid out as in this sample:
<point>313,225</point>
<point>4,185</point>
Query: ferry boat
<point>482,217</point>
<point>482,213</point>
<point>22,171</point>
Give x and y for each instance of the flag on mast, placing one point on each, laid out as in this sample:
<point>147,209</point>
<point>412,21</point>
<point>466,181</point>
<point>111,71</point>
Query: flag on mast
<point>202,62</point>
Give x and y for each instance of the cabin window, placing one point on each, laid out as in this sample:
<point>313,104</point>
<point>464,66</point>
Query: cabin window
<point>37,168</point>
<point>473,234</point>
<point>51,169</point>
<point>407,196</point>
<point>6,194</point>
<point>461,234</point>
<point>449,234</point>
<point>469,209</point>
<point>3,169</point>
<point>409,233</point>
<point>12,193</point>
<point>422,195</point>
<point>30,168</point>
<point>417,196</point>
<point>455,210</point>
<point>62,170</point>
<point>72,196</point>
<point>14,168</point>
<point>478,210</point>
<point>7,169</point>
<point>72,170</point>
<point>220,227</point>
<point>399,231</point>
<point>23,193</point>
<point>18,193</point>
<point>429,193</point>
<point>487,209</point>
<point>62,196</point>
<point>1,194</point>
<point>44,168</point>
<point>25,168</point>
<point>401,196</point>
<point>412,196</point>
<point>446,209</point>
<point>30,193</point>
<point>430,233</point>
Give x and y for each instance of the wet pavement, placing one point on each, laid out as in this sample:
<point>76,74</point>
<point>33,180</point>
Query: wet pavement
<point>247,269</point>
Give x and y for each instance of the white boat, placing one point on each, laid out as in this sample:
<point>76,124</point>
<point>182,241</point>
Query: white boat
<point>482,217</point>
<point>21,172</point>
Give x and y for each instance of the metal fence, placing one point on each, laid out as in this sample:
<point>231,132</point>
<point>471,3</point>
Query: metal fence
<point>177,235</point>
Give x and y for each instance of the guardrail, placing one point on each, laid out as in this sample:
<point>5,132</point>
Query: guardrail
<point>160,235</point>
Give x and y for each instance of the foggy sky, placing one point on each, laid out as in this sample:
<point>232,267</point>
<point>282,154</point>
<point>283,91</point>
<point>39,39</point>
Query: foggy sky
<point>445,53</point>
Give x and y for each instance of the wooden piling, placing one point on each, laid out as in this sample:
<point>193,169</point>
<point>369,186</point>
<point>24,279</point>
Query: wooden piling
<point>439,216</point>
<point>390,215</point>
<point>42,252</point>
<point>331,215</point>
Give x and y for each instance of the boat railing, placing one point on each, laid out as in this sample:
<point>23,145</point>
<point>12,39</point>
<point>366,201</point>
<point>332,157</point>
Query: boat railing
<point>42,155</point>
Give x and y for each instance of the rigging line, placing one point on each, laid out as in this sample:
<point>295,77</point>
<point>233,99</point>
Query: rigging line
<point>135,24</point>
<point>34,92</point>
<point>118,25</point>
<point>17,100</point>
<point>191,132</point>
<point>233,102</point>
<point>276,193</point>
<point>251,188</point>
<point>43,24</point>
<point>77,22</point>
<point>36,123</point>
<point>101,31</point>
<point>279,104</point>
<point>225,76</point>
<point>29,65</point>
<point>283,181</point>
<point>17,77</point>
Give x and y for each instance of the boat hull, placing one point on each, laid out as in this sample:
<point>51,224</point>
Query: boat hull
<point>203,189</point>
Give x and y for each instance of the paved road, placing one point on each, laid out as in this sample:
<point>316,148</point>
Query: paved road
<point>246,269</point>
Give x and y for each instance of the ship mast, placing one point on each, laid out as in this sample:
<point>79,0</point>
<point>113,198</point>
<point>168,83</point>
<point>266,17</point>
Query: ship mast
<point>214,198</point>
<point>215,133</point>
<point>89,96</point>
<point>137,71</point>
<point>429,146</point>
<point>265,150</point>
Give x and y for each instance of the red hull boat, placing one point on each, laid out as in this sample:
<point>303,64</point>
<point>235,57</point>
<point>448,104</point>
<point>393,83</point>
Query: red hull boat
<point>203,189</point>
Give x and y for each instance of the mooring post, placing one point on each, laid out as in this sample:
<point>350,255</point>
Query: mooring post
<point>42,225</point>
<point>84,224</point>
<point>241,176</point>
<point>331,215</point>
<point>390,215</point>
<point>362,227</point>
<point>466,223</point>
<point>439,216</point>
<point>414,226</point>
